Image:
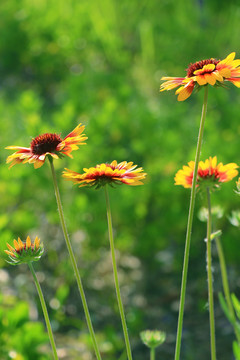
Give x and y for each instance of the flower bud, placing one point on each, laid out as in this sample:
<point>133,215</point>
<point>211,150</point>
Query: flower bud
<point>153,338</point>
<point>24,252</point>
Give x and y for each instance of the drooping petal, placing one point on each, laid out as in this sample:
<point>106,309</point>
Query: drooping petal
<point>235,81</point>
<point>185,91</point>
<point>201,80</point>
<point>210,79</point>
<point>217,76</point>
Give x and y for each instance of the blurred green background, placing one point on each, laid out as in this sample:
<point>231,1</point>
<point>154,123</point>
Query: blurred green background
<point>100,63</point>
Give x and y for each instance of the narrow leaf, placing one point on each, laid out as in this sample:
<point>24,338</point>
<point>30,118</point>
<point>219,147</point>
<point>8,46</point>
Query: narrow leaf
<point>224,307</point>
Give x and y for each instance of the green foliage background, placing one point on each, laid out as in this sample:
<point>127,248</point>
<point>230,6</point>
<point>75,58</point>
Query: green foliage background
<point>100,63</point>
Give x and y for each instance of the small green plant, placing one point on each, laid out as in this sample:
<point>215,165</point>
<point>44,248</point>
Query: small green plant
<point>153,339</point>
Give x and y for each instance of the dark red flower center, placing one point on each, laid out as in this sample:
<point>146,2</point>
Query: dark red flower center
<point>199,65</point>
<point>45,143</point>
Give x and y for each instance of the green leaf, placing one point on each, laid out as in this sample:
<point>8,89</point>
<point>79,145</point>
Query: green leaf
<point>224,307</point>
<point>236,350</point>
<point>236,304</point>
<point>216,234</point>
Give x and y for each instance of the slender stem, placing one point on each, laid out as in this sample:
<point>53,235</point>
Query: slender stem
<point>210,281</point>
<point>74,263</point>
<point>45,312</point>
<point>189,228</point>
<point>226,286</point>
<point>152,354</point>
<point>224,277</point>
<point>114,263</point>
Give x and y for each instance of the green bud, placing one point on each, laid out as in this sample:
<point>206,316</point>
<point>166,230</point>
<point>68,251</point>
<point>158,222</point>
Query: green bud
<point>153,338</point>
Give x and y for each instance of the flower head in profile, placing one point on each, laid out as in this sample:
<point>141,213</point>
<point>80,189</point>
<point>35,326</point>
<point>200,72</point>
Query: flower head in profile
<point>47,145</point>
<point>210,71</point>
<point>114,173</point>
<point>24,252</point>
<point>210,174</point>
<point>153,338</point>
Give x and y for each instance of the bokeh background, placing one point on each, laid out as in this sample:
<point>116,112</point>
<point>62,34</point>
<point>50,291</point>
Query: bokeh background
<point>100,63</point>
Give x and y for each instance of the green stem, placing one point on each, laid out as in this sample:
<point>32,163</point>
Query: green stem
<point>226,286</point>
<point>152,354</point>
<point>73,262</point>
<point>189,228</point>
<point>114,263</point>
<point>45,312</point>
<point>210,282</point>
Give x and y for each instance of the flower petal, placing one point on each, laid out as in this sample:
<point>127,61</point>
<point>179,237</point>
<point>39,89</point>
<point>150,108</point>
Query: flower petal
<point>201,80</point>
<point>210,79</point>
<point>185,91</point>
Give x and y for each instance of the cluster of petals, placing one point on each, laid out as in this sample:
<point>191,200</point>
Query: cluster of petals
<point>24,252</point>
<point>208,170</point>
<point>211,71</point>
<point>47,145</point>
<point>100,175</point>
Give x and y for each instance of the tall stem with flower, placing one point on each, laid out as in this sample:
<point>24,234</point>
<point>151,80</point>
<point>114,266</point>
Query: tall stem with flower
<point>101,176</point>
<point>115,273</point>
<point>74,262</point>
<point>45,312</point>
<point>201,73</point>
<point>26,253</point>
<point>209,175</point>
<point>189,230</point>
<point>51,146</point>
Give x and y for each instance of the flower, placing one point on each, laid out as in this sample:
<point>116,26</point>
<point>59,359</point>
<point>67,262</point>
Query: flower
<point>103,174</point>
<point>153,338</point>
<point>210,174</point>
<point>211,71</point>
<point>47,145</point>
<point>24,252</point>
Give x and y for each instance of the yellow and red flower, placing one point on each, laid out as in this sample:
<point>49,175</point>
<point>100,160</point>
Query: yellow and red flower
<point>47,145</point>
<point>24,252</point>
<point>210,174</point>
<point>114,173</point>
<point>211,71</point>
